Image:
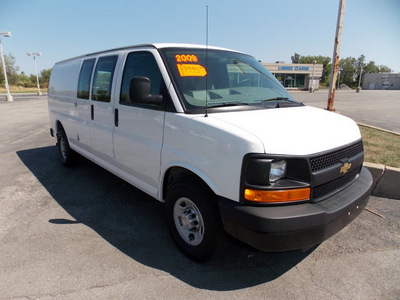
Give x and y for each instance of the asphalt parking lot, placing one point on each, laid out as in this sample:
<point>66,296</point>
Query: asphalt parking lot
<point>82,233</point>
<point>379,108</point>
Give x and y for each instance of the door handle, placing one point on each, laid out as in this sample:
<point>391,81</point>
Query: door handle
<point>92,112</point>
<point>116,115</point>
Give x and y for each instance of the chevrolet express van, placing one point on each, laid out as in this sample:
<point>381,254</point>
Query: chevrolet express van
<point>213,135</point>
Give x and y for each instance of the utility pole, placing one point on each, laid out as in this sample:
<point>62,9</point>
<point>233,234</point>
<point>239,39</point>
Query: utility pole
<point>335,58</point>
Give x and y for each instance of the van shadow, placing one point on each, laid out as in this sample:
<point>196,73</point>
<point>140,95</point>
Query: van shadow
<point>133,222</point>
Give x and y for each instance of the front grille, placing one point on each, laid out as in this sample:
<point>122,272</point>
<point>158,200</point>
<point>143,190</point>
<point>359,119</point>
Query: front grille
<point>324,161</point>
<point>325,189</point>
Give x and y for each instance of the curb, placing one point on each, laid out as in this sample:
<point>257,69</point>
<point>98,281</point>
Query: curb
<point>378,128</point>
<point>386,180</point>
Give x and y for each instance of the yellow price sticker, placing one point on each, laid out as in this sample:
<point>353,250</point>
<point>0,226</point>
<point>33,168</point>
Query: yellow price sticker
<point>193,70</point>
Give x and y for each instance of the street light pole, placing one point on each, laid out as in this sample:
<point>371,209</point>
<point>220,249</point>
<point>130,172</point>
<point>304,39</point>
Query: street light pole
<point>34,54</point>
<point>5,34</point>
<point>338,78</point>
<point>312,77</point>
<point>359,81</point>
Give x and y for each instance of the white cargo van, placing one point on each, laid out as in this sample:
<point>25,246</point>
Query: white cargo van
<point>215,136</point>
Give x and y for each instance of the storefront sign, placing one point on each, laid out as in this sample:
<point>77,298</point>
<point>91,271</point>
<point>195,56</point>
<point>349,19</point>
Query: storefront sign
<point>293,68</point>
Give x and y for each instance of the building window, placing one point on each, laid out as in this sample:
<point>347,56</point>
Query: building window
<point>291,80</point>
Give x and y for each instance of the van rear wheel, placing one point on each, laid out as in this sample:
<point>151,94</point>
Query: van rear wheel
<point>67,155</point>
<point>193,219</point>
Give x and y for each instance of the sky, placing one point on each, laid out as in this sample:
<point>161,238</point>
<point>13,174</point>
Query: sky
<point>270,30</point>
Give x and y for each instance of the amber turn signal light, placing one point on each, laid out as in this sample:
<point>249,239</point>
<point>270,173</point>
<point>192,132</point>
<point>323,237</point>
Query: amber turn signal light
<point>277,196</point>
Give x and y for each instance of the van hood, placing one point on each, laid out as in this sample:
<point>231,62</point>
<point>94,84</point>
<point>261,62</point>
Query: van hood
<point>294,130</point>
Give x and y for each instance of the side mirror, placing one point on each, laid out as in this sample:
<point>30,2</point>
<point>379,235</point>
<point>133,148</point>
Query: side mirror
<point>140,91</point>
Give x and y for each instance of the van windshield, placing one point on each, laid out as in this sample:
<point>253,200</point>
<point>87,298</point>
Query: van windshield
<point>219,78</point>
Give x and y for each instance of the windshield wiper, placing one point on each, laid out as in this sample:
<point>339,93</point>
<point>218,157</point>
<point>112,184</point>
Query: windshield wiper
<point>286,102</point>
<point>226,104</point>
<point>275,99</point>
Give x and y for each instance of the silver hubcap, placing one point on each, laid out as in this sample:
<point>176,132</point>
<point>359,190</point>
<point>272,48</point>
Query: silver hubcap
<point>188,221</point>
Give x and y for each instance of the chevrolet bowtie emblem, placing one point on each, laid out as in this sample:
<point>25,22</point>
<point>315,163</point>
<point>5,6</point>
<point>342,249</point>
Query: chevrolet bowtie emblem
<point>345,168</point>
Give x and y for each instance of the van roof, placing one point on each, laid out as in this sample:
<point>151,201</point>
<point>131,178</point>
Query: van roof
<point>177,45</point>
<point>155,45</point>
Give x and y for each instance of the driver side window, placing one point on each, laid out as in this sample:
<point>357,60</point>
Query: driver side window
<point>140,64</point>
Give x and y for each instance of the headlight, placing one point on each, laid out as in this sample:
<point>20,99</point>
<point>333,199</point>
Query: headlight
<point>267,179</point>
<point>278,170</point>
<point>263,171</point>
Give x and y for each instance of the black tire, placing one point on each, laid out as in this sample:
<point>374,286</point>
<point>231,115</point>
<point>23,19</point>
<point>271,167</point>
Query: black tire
<point>68,156</point>
<point>193,219</point>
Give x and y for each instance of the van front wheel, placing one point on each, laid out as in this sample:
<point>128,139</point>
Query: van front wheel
<point>193,219</point>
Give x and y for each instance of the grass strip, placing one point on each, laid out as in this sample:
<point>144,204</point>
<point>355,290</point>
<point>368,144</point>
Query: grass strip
<point>381,147</point>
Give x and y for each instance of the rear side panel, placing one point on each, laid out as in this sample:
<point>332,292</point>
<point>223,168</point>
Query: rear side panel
<point>62,94</point>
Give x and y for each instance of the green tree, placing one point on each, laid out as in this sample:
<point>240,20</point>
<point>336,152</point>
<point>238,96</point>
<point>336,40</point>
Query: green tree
<point>45,77</point>
<point>11,69</point>
<point>371,67</point>
<point>32,77</point>
<point>384,69</point>
<point>295,58</point>
<point>348,71</point>
<point>24,80</point>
